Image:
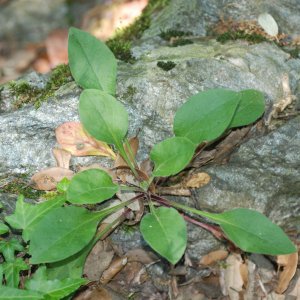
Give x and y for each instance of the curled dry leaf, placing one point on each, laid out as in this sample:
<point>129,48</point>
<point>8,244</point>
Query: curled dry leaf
<point>197,180</point>
<point>289,264</point>
<point>269,25</point>
<point>233,280</point>
<point>116,266</point>
<point>213,257</point>
<point>131,152</point>
<point>47,179</point>
<point>62,158</point>
<point>73,138</point>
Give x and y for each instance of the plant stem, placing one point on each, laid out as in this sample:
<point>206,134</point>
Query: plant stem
<point>131,154</point>
<point>130,188</point>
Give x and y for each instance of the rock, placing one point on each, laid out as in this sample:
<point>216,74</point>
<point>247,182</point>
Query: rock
<point>150,94</point>
<point>199,16</point>
<point>263,175</point>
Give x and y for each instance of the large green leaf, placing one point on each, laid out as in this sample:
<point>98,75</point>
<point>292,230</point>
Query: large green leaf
<point>92,64</point>
<point>27,215</point>
<point>9,293</point>
<point>12,271</point>
<point>91,186</point>
<point>171,155</point>
<point>206,115</point>
<point>103,117</point>
<point>251,107</point>
<point>164,230</point>
<point>61,233</point>
<point>252,231</point>
<point>53,289</point>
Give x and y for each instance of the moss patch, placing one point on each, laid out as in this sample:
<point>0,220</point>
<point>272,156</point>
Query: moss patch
<point>130,92</point>
<point>25,93</point>
<point>121,43</point>
<point>241,35</point>
<point>19,185</point>
<point>176,37</point>
<point>166,65</point>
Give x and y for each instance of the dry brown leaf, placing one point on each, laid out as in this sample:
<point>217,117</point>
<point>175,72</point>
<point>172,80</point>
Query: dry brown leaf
<point>94,293</point>
<point>116,266</point>
<point>173,190</point>
<point>62,158</point>
<point>72,137</point>
<point>131,152</point>
<point>233,281</point>
<point>47,179</point>
<point>197,180</point>
<point>98,260</point>
<point>289,264</point>
<point>146,166</point>
<point>142,256</point>
<point>213,257</point>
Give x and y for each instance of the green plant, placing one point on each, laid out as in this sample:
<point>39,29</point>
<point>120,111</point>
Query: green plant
<point>60,232</point>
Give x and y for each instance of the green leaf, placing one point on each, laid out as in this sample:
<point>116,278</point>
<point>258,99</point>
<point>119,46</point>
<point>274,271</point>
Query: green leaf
<point>27,215</point>
<point>164,230</point>
<point>252,231</point>
<point>171,156</point>
<point>91,186</point>
<point>9,293</point>
<point>12,271</point>
<point>251,107</point>
<point>3,228</point>
<point>9,247</point>
<point>53,289</point>
<point>206,115</point>
<point>63,185</point>
<point>71,267</point>
<point>61,233</point>
<point>92,64</point>
<point>103,117</point>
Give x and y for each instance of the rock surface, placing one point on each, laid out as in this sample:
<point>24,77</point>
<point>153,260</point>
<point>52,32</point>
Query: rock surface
<point>263,174</point>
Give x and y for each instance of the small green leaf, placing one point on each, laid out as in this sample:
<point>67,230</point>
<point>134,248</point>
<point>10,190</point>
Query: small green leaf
<point>164,230</point>
<point>91,186</point>
<point>61,233</point>
<point>171,155</point>
<point>9,293</point>
<point>3,228</point>
<point>12,271</point>
<point>27,215</point>
<point>103,117</point>
<point>92,64</point>
<point>252,231</point>
<point>53,289</point>
<point>63,185</point>
<point>251,107</point>
<point>206,115</point>
<point>9,247</point>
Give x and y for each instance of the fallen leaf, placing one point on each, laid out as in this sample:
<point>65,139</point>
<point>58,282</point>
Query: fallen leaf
<point>131,152</point>
<point>197,180</point>
<point>146,166</point>
<point>213,257</point>
<point>142,256</point>
<point>116,266</point>
<point>95,293</point>
<point>72,137</point>
<point>233,280</point>
<point>269,25</point>
<point>62,157</point>
<point>98,260</point>
<point>289,264</point>
<point>47,179</point>
<point>173,190</point>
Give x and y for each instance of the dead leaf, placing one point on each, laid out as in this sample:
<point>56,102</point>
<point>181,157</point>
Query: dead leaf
<point>197,180</point>
<point>98,260</point>
<point>173,190</point>
<point>289,264</point>
<point>72,137</point>
<point>146,166</point>
<point>116,266</point>
<point>233,281</point>
<point>47,179</point>
<point>94,293</point>
<point>62,157</point>
<point>142,256</point>
<point>269,25</point>
<point>131,152</point>
<point>213,257</point>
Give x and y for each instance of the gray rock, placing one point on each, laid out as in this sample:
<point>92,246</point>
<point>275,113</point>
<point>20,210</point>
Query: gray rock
<point>150,94</point>
<point>264,174</point>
